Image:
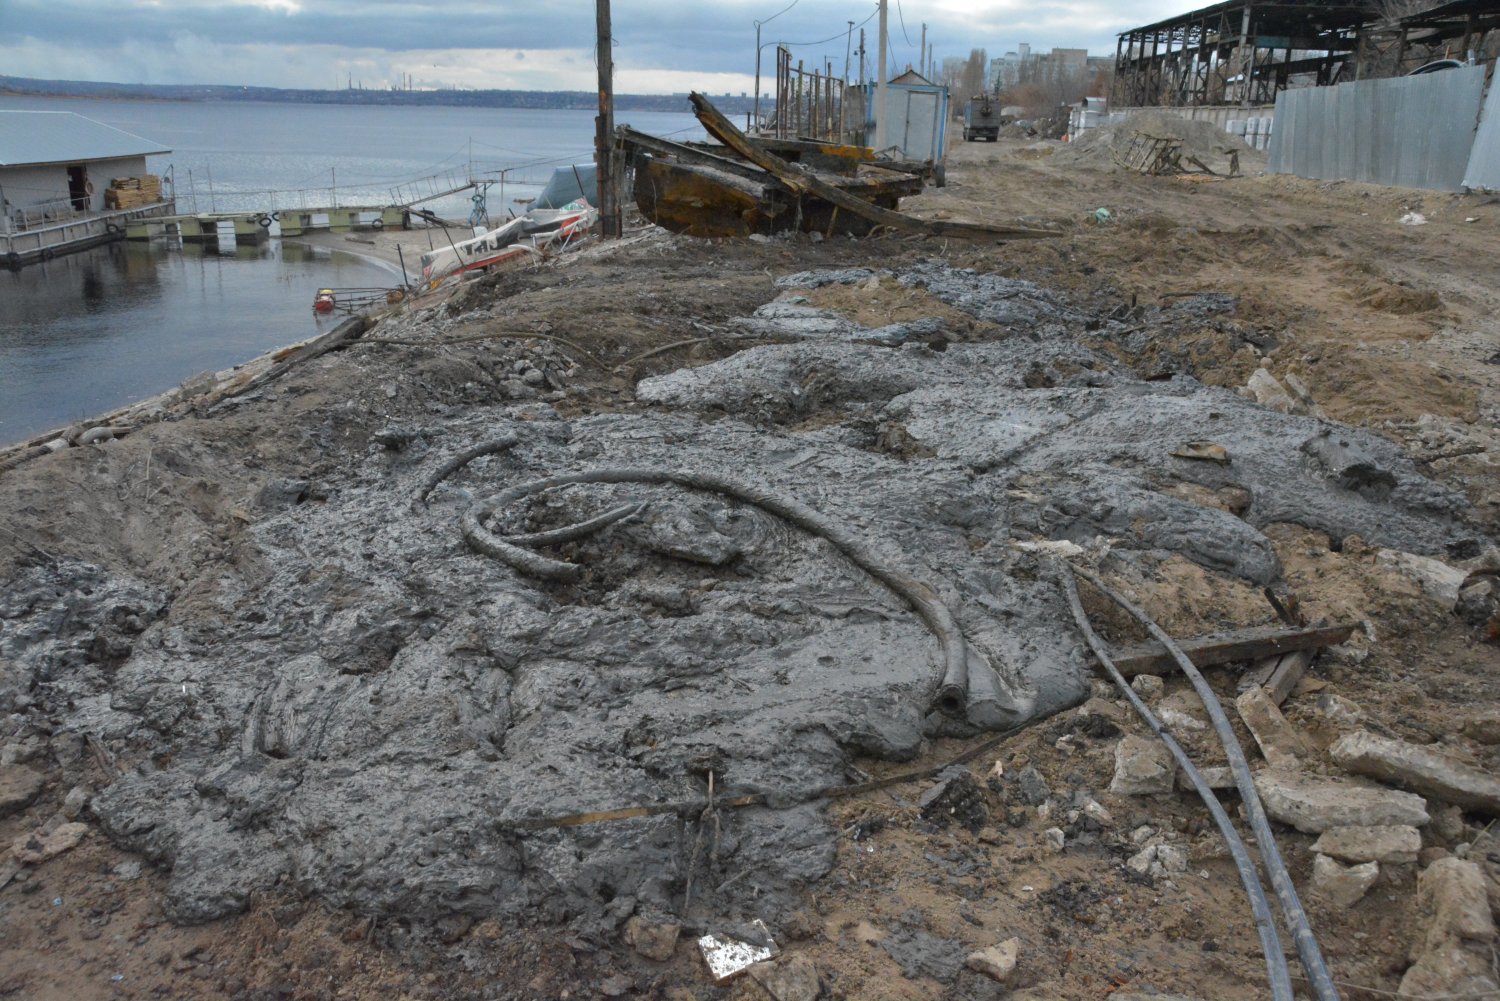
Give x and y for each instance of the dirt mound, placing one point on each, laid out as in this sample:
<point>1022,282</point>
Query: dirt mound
<point>1102,148</point>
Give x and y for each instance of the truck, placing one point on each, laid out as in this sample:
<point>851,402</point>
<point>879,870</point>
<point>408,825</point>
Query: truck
<point>981,119</point>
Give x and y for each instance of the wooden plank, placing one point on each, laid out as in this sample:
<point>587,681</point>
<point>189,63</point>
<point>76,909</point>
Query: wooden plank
<point>803,183</point>
<point>694,155</point>
<point>1227,647</point>
<point>1289,671</point>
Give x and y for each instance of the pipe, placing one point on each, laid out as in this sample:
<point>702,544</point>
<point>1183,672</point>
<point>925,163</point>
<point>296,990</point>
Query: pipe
<point>950,696</point>
<point>1281,881</point>
<point>1260,907</point>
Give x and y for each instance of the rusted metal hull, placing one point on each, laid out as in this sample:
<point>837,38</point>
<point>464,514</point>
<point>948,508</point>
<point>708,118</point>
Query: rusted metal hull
<point>703,200</point>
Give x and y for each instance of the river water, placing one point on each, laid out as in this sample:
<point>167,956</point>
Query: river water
<point>93,331</point>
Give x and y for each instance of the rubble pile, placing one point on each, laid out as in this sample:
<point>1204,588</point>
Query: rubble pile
<point>376,712</point>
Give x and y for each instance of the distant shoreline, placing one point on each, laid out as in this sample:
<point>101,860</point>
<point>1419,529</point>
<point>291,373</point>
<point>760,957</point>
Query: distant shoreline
<point>553,100</point>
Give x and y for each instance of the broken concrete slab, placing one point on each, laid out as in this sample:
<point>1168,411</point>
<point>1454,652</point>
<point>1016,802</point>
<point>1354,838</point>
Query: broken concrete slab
<point>1437,579</point>
<point>1420,769</point>
<point>1280,743</point>
<point>791,978</point>
<point>1396,845</point>
<point>1343,885</point>
<point>1453,950</point>
<point>19,788</point>
<point>1313,805</point>
<point>998,962</point>
<point>1143,767</point>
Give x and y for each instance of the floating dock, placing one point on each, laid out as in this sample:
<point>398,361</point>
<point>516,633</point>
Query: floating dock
<point>212,227</point>
<point>42,243</point>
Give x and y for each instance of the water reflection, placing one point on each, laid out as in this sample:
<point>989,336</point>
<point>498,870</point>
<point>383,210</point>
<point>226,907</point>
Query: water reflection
<point>89,332</point>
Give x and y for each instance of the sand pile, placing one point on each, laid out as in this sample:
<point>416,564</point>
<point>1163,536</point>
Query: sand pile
<point>1100,148</point>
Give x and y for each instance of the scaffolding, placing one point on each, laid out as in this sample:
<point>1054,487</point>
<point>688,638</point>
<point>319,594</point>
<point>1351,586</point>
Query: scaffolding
<point>1239,52</point>
<point>1245,52</point>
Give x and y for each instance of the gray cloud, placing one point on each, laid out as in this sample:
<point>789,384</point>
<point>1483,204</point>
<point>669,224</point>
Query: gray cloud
<point>154,42</point>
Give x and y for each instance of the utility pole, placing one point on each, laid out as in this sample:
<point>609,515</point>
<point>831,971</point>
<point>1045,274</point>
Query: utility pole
<point>848,43</point>
<point>604,137</point>
<point>922,53</point>
<point>882,130</point>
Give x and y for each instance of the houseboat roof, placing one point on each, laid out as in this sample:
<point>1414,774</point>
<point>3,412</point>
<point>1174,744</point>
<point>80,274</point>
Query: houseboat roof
<point>39,137</point>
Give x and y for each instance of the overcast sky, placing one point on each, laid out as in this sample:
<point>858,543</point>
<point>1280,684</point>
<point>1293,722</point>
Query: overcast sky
<point>661,46</point>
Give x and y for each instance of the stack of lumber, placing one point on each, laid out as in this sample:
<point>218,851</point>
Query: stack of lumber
<point>133,192</point>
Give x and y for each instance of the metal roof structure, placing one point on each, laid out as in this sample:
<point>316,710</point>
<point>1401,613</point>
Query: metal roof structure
<point>38,137</point>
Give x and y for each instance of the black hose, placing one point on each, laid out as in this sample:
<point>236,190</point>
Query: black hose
<point>1281,881</point>
<point>1265,922</point>
<point>952,690</point>
<point>502,444</point>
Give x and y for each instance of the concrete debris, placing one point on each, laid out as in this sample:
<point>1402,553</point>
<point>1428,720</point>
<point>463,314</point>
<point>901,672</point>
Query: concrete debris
<point>791,978</point>
<point>1313,805</point>
<point>1337,708</point>
<point>1157,859</point>
<point>1437,579</point>
<point>1265,389</point>
<point>396,675</point>
<point>1420,769</point>
<point>998,962</point>
<point>1342,885</point>
<point>653,939</point>
<point>1143,767</point>
<point>1096,812</point>
<point>1453,952</point>
<point>1397,845</point>
<point>1278,740</point>
<point>40,845</point>
<point>1148,686</point>
<point>728,957</point>
<point>1214,776</point>
<point>1055,838</point>
<point>19,788</point>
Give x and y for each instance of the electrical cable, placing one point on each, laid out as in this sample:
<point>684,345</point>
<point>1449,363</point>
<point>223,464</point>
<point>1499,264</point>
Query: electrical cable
<point>1265,922</point>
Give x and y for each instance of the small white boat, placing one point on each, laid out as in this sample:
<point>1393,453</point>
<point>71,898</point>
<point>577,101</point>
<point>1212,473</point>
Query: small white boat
<point>524,239</point>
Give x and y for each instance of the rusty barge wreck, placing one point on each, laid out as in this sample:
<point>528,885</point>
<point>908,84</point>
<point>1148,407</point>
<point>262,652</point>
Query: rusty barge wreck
<point>743,186</point>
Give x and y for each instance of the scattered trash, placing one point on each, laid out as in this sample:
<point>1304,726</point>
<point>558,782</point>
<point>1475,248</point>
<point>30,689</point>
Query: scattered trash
<point>728,957</point>
<point>1413,219</point>
<point>1102,216</point>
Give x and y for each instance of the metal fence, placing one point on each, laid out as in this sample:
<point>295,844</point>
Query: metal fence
<point>1484,162</point>
<point>1410,132</point>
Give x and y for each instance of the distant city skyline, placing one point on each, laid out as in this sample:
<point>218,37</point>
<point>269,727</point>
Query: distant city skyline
<point>504,44</point>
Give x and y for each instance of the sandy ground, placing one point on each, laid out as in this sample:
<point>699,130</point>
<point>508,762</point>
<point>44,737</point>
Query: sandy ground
<point>1391,327</point>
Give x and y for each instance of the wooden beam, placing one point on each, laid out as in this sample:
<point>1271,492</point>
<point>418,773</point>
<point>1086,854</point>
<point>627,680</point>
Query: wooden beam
<point>1227,647</point>
<point>803,183</point>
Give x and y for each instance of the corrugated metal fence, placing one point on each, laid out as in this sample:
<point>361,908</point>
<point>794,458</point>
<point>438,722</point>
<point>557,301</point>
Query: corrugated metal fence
<point>1411,132</point>
<point>1484,162</point>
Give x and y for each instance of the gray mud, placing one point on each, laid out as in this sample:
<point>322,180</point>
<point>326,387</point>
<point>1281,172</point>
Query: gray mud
<point>374,705</point>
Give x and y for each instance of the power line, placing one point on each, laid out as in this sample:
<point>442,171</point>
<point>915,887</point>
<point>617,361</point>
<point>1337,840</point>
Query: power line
<point>831,38</point>
<point>902,18</point>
